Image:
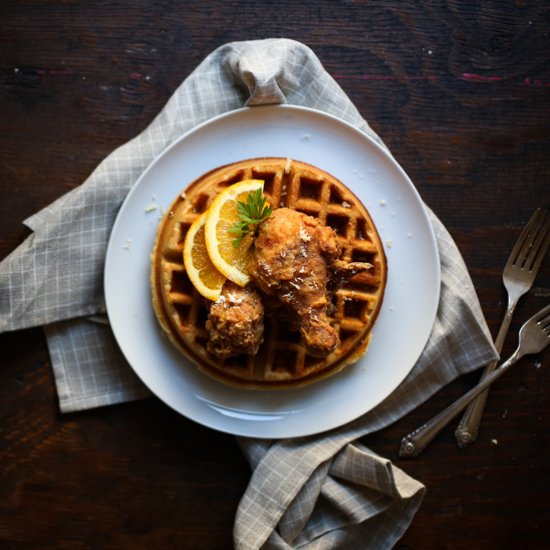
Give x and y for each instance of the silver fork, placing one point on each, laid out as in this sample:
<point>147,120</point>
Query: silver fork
<point>534,336</point>
<point>519,273</point>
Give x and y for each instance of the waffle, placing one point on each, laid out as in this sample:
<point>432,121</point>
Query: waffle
<point>281,361</point>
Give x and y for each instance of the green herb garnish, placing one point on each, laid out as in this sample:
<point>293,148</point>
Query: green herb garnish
<point>251,213</point>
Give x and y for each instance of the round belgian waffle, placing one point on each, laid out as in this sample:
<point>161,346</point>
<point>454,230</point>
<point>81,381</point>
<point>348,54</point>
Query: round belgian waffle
<point>281,361</point>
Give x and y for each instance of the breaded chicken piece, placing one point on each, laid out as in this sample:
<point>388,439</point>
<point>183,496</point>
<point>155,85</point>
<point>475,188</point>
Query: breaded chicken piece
<point>292,255</point>
<point>235,322</point>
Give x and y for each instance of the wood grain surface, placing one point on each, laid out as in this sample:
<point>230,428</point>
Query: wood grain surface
<point>459,91</point>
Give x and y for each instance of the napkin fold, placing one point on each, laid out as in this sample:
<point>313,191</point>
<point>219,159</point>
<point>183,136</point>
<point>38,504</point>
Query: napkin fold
<point>325,491</point>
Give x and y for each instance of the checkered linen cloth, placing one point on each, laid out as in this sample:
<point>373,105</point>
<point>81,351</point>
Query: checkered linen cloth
<point>324,491</point>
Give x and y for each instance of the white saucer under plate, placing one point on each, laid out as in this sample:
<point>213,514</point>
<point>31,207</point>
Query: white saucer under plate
<point>412,292</point>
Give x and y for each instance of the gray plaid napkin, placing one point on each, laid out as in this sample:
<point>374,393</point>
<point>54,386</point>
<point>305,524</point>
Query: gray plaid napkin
<point>327,491</point>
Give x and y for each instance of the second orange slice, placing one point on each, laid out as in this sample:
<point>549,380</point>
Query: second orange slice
<point>201,271</point>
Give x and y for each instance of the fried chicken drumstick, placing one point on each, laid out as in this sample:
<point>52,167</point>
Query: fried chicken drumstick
<point>292,261</point>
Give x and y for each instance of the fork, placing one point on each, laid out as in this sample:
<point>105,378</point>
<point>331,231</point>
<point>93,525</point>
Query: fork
<point>534,336</point>
<point>519,273</point>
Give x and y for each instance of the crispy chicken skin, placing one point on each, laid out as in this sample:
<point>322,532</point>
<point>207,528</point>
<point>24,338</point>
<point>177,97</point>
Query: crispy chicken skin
<point>292,255</point>
<point>235,322</point>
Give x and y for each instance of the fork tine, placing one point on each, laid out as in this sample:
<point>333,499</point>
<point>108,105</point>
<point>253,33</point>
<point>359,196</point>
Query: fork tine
<point>530,235</point>
<point>545,323</point>
<point>545,320</point>
<point>539,251</point>
<point>542,316</point>
<point>524,235</point>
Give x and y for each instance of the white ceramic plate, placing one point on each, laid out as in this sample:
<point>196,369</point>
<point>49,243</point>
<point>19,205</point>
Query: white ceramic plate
<point>409,306</point>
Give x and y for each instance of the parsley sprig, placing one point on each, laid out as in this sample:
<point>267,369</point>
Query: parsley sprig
<point>251,213</point>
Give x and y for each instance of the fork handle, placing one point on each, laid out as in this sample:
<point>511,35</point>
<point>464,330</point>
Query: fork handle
<point>468,428</point>
<point>414,443</point>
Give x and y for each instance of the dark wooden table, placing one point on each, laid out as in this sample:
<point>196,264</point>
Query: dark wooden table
<point>460,92</point>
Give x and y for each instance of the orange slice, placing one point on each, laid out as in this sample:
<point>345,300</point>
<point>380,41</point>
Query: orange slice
<point>201,271</point>
<point>229,260</point>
